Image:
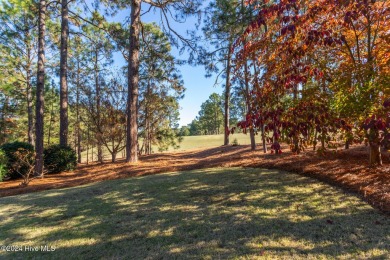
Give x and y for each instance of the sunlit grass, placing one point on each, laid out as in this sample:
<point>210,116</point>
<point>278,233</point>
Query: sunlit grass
<point>188,143</point>
<point>210,214</point>
<point>208,141</point>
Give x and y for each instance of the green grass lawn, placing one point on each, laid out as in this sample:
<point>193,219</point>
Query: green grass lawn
<point>208,141</point>
<point>211,214</point>
<point>188,143</point>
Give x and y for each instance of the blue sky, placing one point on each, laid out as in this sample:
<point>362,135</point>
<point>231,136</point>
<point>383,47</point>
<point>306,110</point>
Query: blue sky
<point>198,87</point>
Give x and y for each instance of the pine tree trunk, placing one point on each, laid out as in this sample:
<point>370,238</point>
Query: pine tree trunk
<point>30,115</point>
<point>64,74</point>
<point>227,97</point>
<point>98,105</point>
<point>150,142</point>
<point>147,122</point>
<point>88,142</point>
<point>133,75</point>
<point>4,128</point>
<point>51,120</point>
<point>39,107</point>
<point>29,106</point>
<point>78,132</point>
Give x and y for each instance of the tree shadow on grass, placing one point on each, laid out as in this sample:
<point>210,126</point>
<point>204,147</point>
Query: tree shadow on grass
<point>212,213</point>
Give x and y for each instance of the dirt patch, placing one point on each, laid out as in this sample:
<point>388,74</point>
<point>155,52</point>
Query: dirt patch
<point>347,169</point>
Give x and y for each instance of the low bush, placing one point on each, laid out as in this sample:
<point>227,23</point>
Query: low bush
<point>3,165</point>
<point>16,167</point>
<point>59,158</point>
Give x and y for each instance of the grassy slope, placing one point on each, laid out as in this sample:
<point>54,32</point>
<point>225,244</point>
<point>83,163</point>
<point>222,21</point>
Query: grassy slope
<point>188,143</point>
<point>211,214</point>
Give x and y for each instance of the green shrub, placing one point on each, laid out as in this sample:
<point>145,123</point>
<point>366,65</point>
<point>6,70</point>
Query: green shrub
<point>235,142</point>
<point>15,166</point>
<point>3,165</point>
<point>59,158</point>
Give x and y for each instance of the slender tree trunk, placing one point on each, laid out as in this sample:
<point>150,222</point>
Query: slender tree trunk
<point>215,121</point>
<point>147,122</point>
<point>98,123</point>
<point>133,75</point>
<point>315,139</point>
<point>114,152</point>
<point>113,156</point>
<point>64,74</point>
<point>150,141</point>
<point>251,130</point>
<point>263,138</point>
<point>29,106</point>
<point>4,126</point>
<point>51,120</point>
<point>88,142</point>
<point>296,143</point>
<point>75,140</point>
<point>78,114</point>
<point>39,107</point>
<point>30,134</point>
<point>264,144</point>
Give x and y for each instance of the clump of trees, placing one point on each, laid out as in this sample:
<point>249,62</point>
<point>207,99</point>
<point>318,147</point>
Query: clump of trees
<point>210,119</point>
<point>322,72</point>
<point>80,100</point>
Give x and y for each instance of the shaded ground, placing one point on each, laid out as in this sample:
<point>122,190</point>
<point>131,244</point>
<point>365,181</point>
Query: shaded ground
<point>345,168</point>
<point>217,213</point>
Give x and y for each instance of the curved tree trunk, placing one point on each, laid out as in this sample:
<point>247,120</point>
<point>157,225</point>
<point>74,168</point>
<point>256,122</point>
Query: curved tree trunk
<point>64,74</point>
<point>133,75</point>
<point>39,107</point>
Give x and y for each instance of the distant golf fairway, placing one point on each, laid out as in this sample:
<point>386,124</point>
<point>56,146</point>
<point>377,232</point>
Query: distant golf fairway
<point>201,214</point>
<point>188,143</point>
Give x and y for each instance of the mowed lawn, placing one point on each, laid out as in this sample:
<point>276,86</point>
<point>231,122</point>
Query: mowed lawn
<point>202,214</point>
